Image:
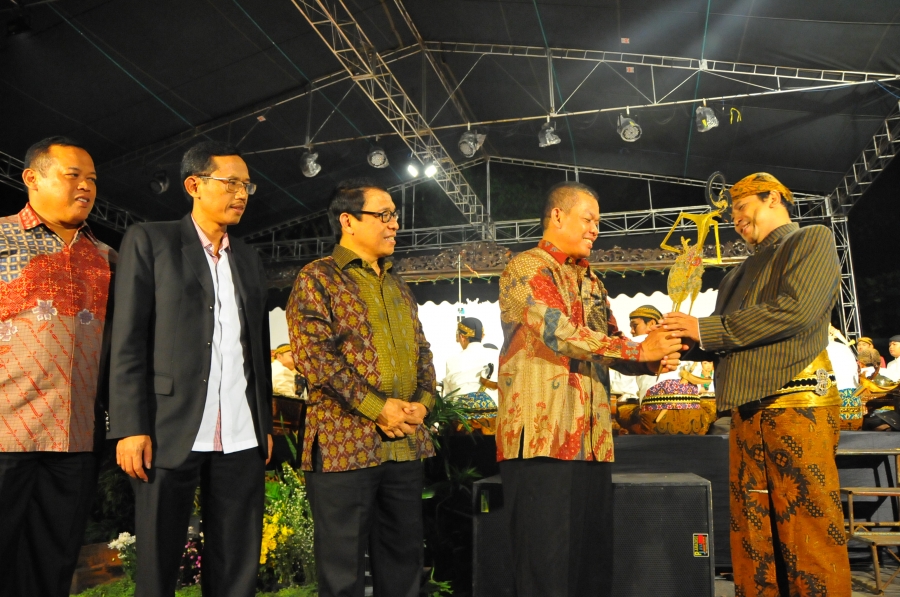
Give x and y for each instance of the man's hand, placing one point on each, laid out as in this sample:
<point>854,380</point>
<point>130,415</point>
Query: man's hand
<point>682,324</point>
<point>659,344</point>
<point>668,363</point>
<point>269,458</point>
<point>134,454</point>
<point>416,411</point>
<point>395,421</point>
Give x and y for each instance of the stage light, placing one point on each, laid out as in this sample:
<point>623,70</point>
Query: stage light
<point>413,169</point>
<point>470,142</point>
<point>547,135</point>
<point>628,129</point>
<point>706,119</point>
<point>308,164</point>
<point>377,157</point>
<point>160,183</point>
<point>430,169</point>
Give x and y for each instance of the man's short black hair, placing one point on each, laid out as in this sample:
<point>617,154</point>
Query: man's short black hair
<point>349,197</point>
<point>198,160</point>
<point>38,155</point>
<point>563,196</point>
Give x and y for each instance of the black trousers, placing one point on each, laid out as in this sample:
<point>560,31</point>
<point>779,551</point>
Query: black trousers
<point>561,526</point>
<point>232,494</point>
<point>45,499</point>
<point>378,508</point>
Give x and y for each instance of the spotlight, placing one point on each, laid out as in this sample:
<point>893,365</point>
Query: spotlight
<point>706,119</point>
<point>430,169</point>
<point>308,164</point>
<point>628,129</point>
<point>413,169</point>
<point>160,183</point>
<point>547,136</point>
<point>377,157</point>
<point>470,142</point>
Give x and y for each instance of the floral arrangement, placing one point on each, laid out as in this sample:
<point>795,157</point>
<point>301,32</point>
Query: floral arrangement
<point>124,544</point>
<point>189,571</point>
<point>287,543</point>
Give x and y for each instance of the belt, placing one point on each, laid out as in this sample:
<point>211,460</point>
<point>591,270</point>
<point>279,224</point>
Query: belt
<point>814,386</point>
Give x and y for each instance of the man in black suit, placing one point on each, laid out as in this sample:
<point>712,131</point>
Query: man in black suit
<point>190,381</point>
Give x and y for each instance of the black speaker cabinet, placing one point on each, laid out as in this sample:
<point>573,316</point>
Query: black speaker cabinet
<point>663,537</point>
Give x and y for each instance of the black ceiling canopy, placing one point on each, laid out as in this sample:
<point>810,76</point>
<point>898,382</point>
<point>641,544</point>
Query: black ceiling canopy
<point>138,83</point>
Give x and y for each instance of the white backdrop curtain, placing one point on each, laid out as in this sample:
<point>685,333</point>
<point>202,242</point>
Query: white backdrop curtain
<point>439,320</point>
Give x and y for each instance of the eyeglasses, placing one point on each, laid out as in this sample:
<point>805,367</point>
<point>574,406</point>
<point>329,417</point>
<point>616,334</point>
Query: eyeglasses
<point>233,186</point>
<point>385,216</point>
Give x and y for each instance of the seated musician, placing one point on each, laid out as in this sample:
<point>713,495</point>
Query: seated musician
<point>468,381</point>
<point>846,373</point>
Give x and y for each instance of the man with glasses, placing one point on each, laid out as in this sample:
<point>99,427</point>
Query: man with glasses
<point>191,382</point>
<point>357,339</point>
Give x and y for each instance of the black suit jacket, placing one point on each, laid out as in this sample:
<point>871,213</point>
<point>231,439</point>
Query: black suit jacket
<point>162,334</point>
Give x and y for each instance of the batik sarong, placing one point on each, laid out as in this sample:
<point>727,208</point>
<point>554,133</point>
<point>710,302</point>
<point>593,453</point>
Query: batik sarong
<point>787,525</point>
<point>852,411</point>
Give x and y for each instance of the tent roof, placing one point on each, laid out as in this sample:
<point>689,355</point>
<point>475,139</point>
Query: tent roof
<point>138,83</point>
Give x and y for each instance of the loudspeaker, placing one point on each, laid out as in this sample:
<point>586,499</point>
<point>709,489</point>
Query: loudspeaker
<point>663,537</point>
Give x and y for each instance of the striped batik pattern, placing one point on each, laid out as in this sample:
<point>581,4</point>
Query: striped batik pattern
<point>770,334</point>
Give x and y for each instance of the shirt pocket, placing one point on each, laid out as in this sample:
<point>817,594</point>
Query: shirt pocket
<point>163,385</point>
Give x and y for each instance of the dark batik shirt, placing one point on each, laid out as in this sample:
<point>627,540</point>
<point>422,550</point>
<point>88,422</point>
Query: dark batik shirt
<point>357,339</point>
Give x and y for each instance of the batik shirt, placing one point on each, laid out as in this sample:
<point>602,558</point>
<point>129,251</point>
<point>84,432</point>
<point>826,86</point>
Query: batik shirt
<point>357,339</point>
<point>560,337</point>
<point>52,313</point>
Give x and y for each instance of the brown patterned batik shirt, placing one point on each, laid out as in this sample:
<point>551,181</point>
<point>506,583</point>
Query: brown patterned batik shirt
<point>357,339</point>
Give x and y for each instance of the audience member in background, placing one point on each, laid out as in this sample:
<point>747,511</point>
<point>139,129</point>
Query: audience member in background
<point>892,370</point>
<point>768,336</point>
<point>554,435</point>
<point>190,381</point>
<point>468,380</point>
<point>53,308</point>
<point>284,374</point>
<point>846,373</point>
<point>355,331</point>
<point>869,362</point>
<point>866,343</point>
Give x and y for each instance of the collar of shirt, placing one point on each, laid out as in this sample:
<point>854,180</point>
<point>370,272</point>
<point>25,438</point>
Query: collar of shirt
<point>562,257</point>
<point>208,244</point>
<point>29,219</point>
<point>343,257</point>
<point>777,234</point>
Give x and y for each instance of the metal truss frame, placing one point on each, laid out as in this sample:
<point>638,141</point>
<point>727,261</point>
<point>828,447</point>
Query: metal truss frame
<point>512,232</point>
<point>723,67</point>
<point>874,158</point>
<point>343,35</point>
<point>104,212</point>
<point>872,161</point>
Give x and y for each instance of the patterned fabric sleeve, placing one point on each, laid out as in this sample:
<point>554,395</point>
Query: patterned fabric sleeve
<point>530,295</point>
<point>315,349</point>
<point>808,287</point>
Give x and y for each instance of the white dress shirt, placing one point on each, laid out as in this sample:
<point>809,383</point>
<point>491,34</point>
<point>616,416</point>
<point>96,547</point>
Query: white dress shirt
<point>892,370</point>
<point>843,361</point>
<point>227,386</point>
<point>465,369</point>
<point>283,380</point>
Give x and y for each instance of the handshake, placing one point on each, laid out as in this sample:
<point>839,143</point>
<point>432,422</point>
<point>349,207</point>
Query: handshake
<point>666,341</point>
<point>400,418</point>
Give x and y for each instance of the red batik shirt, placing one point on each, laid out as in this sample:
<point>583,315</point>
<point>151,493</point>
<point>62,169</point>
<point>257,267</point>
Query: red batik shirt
<point>52,313</point>
<point>560,337</point>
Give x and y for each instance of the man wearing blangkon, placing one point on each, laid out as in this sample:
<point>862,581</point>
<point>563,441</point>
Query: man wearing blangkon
<point>554,435</point>
<point>768,336</point>
<point>357,339</point>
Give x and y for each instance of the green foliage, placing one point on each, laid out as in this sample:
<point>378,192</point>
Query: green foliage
<point>125,588</point>
<point>436,588</point>
<point>121,588</point>
<point>287,556</point>
<point>444,417</point>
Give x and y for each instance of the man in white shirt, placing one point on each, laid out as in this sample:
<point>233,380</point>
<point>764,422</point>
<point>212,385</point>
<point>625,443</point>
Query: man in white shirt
<point>284,373</point>
<point>468,380</point>
<point>892,370</point>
